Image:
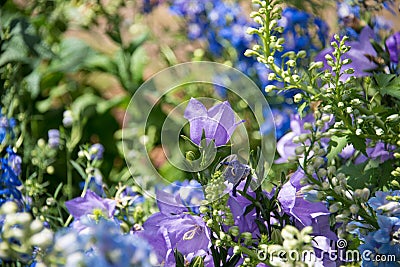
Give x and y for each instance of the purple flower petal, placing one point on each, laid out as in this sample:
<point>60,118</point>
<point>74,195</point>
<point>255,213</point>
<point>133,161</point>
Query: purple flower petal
<point>80,206</point>
<point>170,204</point>
<point>393,46</point>
<point>218,123</point>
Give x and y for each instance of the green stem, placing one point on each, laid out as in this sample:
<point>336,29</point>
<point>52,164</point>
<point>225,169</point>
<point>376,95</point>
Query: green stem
<point>69,174</point>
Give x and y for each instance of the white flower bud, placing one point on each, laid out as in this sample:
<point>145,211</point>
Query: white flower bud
<point>335,207</point>
<point>307,126</point>
<point>379,131</point>
<point>271,76</point>
<point>349,110</point>
<point>358,132</point>
<point>328,57</point>
<point>346,61</point>
<point>296,78</point>
<point>251,30</point>
<point>354,209</point>
<point>270,88</point>
<point>331,170</point>
<point>393,117</point>
<point>303,137</point>
<point>291,63</point>
<point>296,140</point>
<point>322,172</point>
<point>299,150</point>
<point>297,98</point>
<point>43,239</point>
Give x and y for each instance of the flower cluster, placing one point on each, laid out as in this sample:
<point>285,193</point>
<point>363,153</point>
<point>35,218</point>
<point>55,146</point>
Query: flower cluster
<point>384,241</point>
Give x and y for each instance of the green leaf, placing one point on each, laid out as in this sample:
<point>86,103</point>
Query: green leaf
<point>79,169</point>
<point>104,106</point>
<point>301,109</point>
<point>358,143</point>
<point>33,83</point>
<point>371,173</point>
<point>58,189</point>
<point>72,55</point>
<point>387,84</point>
<point>83,102</point>
<point>179,259</point>
<point>138,62</point>
<point>137,42</point>
<point>101,63</point>
<point>197,262</point>
<point>336,145</point>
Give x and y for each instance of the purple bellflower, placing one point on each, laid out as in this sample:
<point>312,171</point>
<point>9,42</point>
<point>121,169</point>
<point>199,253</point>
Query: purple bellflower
<point>174,228</point>
<point>90,204</point>
<point>307,213</point>
<point>393,47</point>
<point>218,123</point>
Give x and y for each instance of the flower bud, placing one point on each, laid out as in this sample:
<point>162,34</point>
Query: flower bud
<point>297,98</point>
<point>236,250</point>
<point>234,230</point>
<point>335,207</point>
<point>299,150</point>
<point>303,137</point>
<point>393,117</point>
<point>270,88</point>
<point>354,209</point>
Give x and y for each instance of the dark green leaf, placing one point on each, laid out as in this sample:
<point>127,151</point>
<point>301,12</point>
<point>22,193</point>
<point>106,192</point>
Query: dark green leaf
<point>387,84</point>
<point>79,169</point>
<point>179,259</point>
<point>301,109</point>
<point>358,143</point>
<point>197,262</point>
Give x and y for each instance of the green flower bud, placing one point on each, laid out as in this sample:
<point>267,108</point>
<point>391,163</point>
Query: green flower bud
<point>234,230</point>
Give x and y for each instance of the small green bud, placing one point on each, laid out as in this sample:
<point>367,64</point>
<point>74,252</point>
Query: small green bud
<point>301,54</point>
<point>234,230</point>
<point>190,155</point>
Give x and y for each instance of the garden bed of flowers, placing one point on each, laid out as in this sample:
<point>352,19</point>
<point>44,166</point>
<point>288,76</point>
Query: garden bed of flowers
<point>199,133</point>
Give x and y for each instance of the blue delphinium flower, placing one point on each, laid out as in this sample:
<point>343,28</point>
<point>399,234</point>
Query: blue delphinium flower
<point>348,13</point>
<point>297,31</point>
<point>103,245</point>
<point>383,200</point>
<point>111,248</point>
<point>384,240</point>
<point>54,138</point>
<point>6,127</point>
<point>381,242</point>
<point>96,151</point>
<point>96,184</point>
<point>149,5</point>
<point>10,169</point>
<point>393,47</point>
<point>191,193</point>
<point>281,119</point>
